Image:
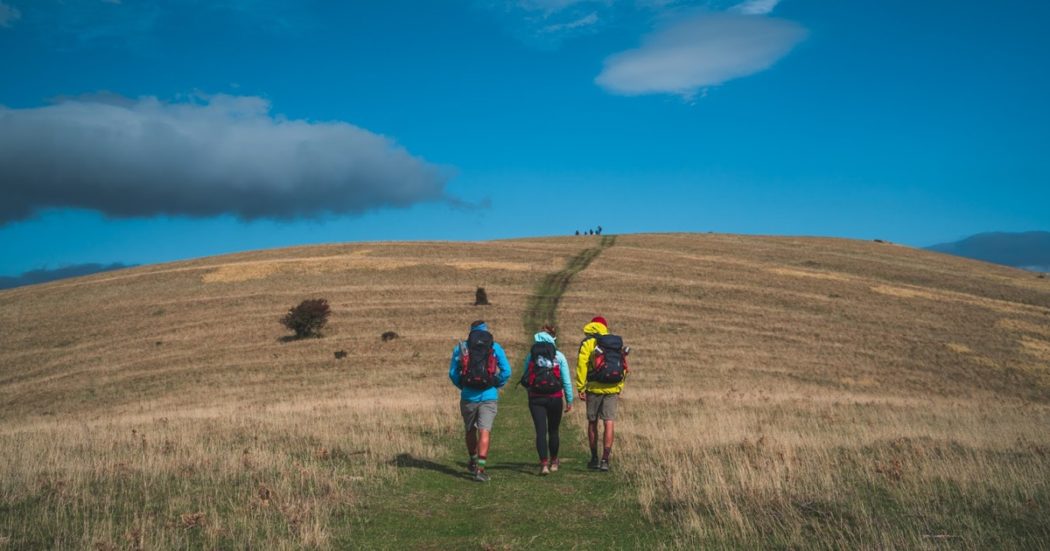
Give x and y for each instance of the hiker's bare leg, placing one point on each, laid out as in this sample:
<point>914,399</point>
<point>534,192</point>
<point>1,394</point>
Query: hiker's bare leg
<point>592,434</point>
<point>472,442</point>
<point>608,434</point>
<point>483,443</point>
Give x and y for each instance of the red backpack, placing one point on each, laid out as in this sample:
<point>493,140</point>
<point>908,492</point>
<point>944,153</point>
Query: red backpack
<point>477,361</point>
<point>543,374</point>
<point>608,363</point>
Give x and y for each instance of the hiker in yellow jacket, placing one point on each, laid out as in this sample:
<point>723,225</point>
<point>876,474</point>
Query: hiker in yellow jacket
<point>601,397</point>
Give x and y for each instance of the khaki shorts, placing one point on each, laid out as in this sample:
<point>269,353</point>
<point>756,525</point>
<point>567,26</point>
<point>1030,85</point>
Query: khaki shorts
<point>601,405</point>
<point>477,414</point>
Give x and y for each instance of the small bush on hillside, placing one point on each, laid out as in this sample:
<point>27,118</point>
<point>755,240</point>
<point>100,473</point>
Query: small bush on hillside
<point>308,318</point>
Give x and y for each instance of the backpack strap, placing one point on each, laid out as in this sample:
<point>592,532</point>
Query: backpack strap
<point>462,353</point>
<point>522,381</point>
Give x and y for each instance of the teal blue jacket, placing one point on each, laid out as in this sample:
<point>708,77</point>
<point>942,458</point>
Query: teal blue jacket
<point>474,394</point>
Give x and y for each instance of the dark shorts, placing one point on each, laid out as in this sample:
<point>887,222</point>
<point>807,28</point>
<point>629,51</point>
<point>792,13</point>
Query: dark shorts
<point>477,414</point>
<point>601,406</point>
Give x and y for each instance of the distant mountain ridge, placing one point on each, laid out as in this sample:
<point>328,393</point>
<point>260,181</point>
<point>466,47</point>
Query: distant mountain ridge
<point>45,275</point>
<point>1028,250</point>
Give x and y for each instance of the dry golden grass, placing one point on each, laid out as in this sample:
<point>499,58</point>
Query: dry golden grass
<point>258,476</point>
<point>785,392</point>
<point>828,393</point>
<point>157,407</point>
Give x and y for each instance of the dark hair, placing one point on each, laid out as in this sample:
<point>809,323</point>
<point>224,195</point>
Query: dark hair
<point>474,324</point>
<point>550,330</point>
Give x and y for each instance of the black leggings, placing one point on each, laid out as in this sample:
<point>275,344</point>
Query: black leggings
<point>546,416</point>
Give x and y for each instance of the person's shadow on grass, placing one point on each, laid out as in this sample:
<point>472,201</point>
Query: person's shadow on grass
<point>524,468</point>
<point>409,461</point>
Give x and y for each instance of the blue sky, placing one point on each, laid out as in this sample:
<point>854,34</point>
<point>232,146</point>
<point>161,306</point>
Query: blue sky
<point>146,131</point>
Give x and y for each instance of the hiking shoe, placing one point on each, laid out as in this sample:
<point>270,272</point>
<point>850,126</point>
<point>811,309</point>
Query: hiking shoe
<point>603,466</point>
<point>554,466</point>
<point>472,467</point>
<point>544,470</point>
<point>480,476</point>
<point>593,464</point>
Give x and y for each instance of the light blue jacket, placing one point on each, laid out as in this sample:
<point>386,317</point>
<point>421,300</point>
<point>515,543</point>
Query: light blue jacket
<point>566,377</point>
<point>474,394</point>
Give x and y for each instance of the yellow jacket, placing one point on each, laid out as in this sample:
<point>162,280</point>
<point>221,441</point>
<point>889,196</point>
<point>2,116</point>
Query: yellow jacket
<point>583,364</point>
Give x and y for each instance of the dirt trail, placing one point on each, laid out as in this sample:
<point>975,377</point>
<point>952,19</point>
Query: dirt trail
<point>543,304</point>
<point>436,505</point>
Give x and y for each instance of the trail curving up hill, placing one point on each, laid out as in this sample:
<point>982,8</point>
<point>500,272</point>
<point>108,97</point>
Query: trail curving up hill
<point>543,304</point>
<point>518,508</point>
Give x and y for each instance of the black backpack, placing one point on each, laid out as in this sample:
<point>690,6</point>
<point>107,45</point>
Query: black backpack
<point>543,374</point>
<point>477,361</point>
<point>608,364</point>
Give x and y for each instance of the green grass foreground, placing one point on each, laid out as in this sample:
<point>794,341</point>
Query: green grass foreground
<point>437,505</point>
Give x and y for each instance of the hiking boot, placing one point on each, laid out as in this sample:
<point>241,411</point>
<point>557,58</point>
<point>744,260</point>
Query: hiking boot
<point>544,470</point>
<point>593,464</point>
<point>603,466</point>
<point>554,465</point>
<point>472,466</point>
<point>480,476</point>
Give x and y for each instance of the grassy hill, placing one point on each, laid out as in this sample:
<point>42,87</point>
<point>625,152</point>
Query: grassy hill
<point>785,392</point>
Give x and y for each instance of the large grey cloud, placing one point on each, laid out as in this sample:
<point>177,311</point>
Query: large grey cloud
<point>203,157</point>
<point>700,50</point>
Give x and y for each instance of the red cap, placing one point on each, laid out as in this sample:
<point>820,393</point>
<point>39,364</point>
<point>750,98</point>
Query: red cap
<point>601,320</point>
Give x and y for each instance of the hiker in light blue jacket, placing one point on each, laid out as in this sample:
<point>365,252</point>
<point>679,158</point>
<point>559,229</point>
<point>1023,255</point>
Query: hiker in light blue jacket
<point>548,380</point>
<point>479,368</point>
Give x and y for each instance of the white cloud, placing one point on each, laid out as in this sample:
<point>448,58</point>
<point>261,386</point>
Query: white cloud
<point>215,155</point>
<point>655,4</point>
<point>545,24</point>
<point>701,50</point>
<point>554,6</point>
<point>585,21</point>
<point>756,7</point>
<point>8,15</point>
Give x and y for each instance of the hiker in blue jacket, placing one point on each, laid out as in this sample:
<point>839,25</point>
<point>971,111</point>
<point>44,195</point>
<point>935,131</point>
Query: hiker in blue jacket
<point>550,388</point>
<point>479,368</point>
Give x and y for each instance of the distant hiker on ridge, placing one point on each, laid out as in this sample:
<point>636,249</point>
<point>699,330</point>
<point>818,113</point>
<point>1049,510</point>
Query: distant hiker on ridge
<point>601,368</point>
<point>479,368</point>
<point>546,376</point>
